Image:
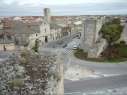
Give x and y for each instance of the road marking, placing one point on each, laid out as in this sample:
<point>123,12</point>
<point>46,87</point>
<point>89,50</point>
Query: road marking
<point>103,75</point>
<point>109,75</point>
<point>72,93</point>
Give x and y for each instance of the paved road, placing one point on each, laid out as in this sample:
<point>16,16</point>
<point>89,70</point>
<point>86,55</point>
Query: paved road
<point>5,55</point>
<point>110,76</point>
<point>96,84</point>
<point>61,42</point>
<point>102,68</point>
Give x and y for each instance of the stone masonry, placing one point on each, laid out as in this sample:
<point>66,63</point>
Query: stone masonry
<point>32,74</point>
<point>92,43</point>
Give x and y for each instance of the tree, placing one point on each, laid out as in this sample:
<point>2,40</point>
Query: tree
<point>116,21</point>
<point>35,48</point>
<point>111,31</point>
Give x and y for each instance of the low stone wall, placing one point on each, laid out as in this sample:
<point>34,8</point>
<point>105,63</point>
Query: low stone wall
<point>8,47</point>
<point>32,74</point>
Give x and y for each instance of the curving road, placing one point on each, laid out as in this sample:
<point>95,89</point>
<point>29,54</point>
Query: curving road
<point>96,84</point>
<point>111,76</point>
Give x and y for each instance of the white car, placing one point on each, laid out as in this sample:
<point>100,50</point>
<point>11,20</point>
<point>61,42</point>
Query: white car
<point>73,45</point>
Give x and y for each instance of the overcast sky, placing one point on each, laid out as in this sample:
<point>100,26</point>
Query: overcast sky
<point>62,7</point>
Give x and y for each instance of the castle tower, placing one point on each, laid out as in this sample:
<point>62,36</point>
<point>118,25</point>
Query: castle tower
<point>92,43</point>
<point>47,16</point>
<point>45,26</point>
<point>88,35</point>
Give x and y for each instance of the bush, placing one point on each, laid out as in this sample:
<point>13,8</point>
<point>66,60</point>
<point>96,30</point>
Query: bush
<point>16,83</point>
<point>122,43</point>
<point>79,53</point>
<point>111,52</point>
<point>116,52</point>
<point>122,51</point>
<point>25,55</point>
<point>111,31</point>
<point>36,46</point>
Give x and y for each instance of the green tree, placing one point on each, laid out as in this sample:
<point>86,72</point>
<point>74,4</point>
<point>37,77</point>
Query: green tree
<point>35,48</point>
<point>111,31</point>
<point>116,21</point>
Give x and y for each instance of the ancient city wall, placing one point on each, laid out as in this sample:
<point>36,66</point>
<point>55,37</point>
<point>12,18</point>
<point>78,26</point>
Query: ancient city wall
<point>32,74</point>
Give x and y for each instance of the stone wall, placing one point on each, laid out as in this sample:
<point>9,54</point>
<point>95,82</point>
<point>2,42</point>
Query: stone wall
<point>91,39</point>
<point>56,80</point>
<point>124,34</point>
<point>8,47</point>
<point>32,74</point>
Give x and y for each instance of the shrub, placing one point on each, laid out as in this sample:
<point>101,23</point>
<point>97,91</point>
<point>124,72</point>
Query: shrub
<point>122,51</point>
<point>16,83</point>
<point>36,46</point>
<point>111,31</point>
<point>25,56</point>
<point>122,43</point>
<point>117,51</point>
<point>79,53</point>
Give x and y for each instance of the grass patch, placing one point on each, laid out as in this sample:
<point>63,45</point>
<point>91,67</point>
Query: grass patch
<point>106,60</point>
<point>79,53</point>
<point>16,83</point>
<point>115,54</point>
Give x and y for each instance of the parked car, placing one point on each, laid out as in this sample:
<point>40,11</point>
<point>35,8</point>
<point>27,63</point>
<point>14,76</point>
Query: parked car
<point>75,47</point>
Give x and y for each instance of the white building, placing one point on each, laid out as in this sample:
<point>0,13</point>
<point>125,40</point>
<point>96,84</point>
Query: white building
<point>48,30</point>
<point>1,24</point>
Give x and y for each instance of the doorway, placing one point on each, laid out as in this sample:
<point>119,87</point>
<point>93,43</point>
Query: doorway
<point>46,39</point>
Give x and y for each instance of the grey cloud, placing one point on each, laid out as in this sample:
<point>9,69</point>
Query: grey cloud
<point>75,9</point>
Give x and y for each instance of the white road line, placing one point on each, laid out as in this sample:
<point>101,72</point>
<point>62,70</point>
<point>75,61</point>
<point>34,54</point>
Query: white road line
<point>109,75</point>
<point>103,75</point>
<point>72,93</point>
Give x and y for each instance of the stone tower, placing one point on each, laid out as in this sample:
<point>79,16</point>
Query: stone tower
<point>92,43</point>
<point>45,26</point>
<point>88,35</point>
<point>47,16</point>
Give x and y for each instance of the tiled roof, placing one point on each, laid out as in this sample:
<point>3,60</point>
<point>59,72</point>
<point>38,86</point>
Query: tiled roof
<point>22,28</point>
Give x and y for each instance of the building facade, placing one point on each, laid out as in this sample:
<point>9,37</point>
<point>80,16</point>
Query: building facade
<point>49,30</point>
